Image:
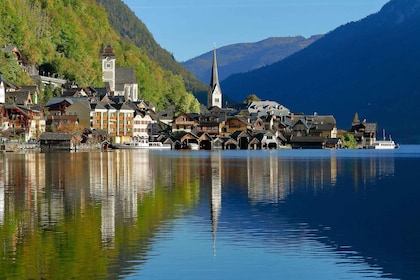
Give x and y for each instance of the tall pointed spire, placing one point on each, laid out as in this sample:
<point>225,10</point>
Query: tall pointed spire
<point>214,97</point>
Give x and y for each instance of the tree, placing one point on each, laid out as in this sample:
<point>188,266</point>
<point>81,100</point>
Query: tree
<point>349,141</point>
<point>251,98</point>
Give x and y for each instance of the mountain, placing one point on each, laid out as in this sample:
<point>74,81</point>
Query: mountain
<point>67,38</point>
<point>370,66</point>
<point>128,25</point>
<point>243,57</point>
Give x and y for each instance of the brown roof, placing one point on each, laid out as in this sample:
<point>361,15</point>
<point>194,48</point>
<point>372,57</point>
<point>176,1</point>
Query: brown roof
<point>55,136</point>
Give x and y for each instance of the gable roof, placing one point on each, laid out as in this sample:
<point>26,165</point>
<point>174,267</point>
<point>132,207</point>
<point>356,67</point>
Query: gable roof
<point>58,100</point>
<point>19,97</point>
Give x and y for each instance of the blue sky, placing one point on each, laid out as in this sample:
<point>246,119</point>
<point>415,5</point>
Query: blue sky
<point>188,28</point>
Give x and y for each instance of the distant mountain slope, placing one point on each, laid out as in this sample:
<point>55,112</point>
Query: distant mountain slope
<point>370,67</point>
<point>243,57</point>
<point>123,19</point>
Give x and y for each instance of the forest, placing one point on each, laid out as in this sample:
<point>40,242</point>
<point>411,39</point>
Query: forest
<point>67,38</point>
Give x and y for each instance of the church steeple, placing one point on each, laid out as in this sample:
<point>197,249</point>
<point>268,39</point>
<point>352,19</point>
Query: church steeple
<point>108,68</point>
<point>214,97</point>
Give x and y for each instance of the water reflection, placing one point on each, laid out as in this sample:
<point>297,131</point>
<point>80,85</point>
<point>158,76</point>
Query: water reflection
<point>76,212</point>
<point>100,214</point>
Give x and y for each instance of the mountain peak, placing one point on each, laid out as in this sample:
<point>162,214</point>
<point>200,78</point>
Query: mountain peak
<point>400,11</point>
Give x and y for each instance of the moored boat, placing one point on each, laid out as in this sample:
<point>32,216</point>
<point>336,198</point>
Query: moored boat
<point>193,146</point>
<point>384,144</point>
<point>141,144</point>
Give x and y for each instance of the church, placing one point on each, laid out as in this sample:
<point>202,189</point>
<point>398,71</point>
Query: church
<point>119,81</point>
<point>214,96</point>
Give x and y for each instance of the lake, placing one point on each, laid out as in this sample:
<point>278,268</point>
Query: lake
<point>284,214</point>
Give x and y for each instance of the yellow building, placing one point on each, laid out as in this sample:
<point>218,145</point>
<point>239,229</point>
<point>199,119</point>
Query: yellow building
<point>115,119</point>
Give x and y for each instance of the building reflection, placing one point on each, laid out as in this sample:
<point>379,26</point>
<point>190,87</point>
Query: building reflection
<point>117,181</point>
<point>47,188</point>
<point>271,179</point>
<point>216,194</point>
<point>102,192</point>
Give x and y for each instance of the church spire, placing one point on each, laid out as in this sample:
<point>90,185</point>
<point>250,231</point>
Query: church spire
<point>214,97</point>
<point>214,81</point>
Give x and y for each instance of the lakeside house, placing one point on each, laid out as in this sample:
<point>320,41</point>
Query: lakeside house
<point>52,141</point>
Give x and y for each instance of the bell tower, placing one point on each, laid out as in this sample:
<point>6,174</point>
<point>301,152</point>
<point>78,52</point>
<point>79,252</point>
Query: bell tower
<point>108,68</point>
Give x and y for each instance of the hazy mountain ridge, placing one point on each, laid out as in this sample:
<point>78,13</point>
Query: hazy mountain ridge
<point>244,57</point>
<point>369,66</point>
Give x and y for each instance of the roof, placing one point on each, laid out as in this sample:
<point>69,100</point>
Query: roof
<point>322,127</point>
<point>108,52</point>
<point>19,97</point>
<point>70,100</point>
<point>123,76</point>
<point>55,136</point>
<point>307,139</point>
<point>371,127</point>
<point>302,121</point>
<point>263,107</point>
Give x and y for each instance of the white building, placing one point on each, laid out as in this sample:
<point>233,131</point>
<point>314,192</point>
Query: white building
<point>214,96</point>
<point>2,90</point>
<point>144,126</point>
<point>119,81</point>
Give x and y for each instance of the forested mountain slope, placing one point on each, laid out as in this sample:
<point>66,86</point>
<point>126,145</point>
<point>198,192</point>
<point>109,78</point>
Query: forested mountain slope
<point>67,38</point>
<point>370,67</point>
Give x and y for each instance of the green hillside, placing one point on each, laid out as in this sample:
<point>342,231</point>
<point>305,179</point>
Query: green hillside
<point>67,37</point>
<point>124,21</point>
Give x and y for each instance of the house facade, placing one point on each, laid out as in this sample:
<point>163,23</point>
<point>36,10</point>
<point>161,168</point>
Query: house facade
<point>185,123</point>
<point>234,124</point>
<point>144,126</point>
<point>115,119</point>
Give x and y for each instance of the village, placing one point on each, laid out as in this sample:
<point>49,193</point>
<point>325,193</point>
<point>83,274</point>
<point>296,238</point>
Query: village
<point>100,118</point>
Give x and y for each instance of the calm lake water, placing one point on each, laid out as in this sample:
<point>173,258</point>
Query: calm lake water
<point>288,214</point>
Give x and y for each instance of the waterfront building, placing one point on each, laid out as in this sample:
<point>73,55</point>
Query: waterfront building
<point>115,119</point>
<point>185,123</point>
<point>144,126</point>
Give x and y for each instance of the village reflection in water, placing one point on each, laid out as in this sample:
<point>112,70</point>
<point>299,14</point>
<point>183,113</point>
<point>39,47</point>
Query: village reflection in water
<point>69,209</point>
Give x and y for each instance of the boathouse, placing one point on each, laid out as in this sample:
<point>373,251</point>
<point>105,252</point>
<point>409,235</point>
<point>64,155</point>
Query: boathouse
<point>55,141</point>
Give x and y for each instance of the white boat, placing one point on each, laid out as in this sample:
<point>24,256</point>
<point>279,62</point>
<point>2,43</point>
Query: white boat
<point>142,144</point>
<point>384,144</point>
<point>193,146</point>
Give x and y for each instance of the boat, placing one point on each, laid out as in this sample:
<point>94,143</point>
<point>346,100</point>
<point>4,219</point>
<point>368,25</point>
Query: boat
<point>142,144</point>
<point>193,146</point>
<point>384,144</point>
